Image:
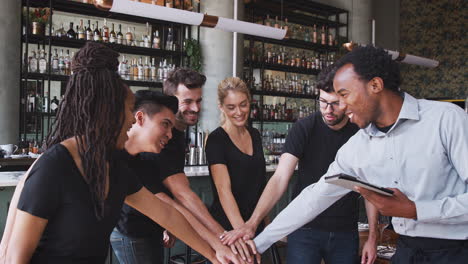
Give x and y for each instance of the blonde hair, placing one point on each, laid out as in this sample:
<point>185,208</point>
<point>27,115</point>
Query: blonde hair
<point>234,84</point>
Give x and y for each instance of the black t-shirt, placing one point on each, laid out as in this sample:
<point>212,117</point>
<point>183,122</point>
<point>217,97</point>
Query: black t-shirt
<point>133,223</point>
<point>55,190</point>
<point>172,157</point>
<point>247,173</point>
<point>316,145</point>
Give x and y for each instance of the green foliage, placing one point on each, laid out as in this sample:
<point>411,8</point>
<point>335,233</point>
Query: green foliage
<point>194,52</point>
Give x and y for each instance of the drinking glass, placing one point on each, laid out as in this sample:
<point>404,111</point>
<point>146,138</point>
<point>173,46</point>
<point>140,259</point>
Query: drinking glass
<point>383,222</point>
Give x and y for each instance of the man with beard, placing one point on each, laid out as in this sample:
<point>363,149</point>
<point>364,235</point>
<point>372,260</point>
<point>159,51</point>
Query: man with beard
<point>312,143</point>
<point>186,85</point>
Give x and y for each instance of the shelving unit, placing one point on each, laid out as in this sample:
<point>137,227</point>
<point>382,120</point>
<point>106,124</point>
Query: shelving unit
<point>301,12</point>
<point>35,125</point>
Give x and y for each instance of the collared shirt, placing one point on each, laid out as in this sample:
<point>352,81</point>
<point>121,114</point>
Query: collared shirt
<point>424,154</point>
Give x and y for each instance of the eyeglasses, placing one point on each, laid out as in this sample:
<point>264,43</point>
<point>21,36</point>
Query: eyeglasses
<point>324,105</point>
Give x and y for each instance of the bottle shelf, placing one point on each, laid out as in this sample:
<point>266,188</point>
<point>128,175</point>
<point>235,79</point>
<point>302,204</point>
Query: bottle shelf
<point>282,94</point>
<point>64,78</point>
<point>90,10</point>
<point>290,10</point>
<point>76,43</point>
<point>282,68</point>
<point>295,43</point>
<point>44,114</point>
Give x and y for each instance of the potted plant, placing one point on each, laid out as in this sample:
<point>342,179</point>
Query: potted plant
<point>38,19</point>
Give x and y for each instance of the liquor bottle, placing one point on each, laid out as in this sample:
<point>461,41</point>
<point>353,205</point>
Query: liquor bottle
<point>96,33</point>
<point>120,37</point>
<point>147,37</point>
<point>135,69</point>
<point>123,69</point>
<point>314,34</point>
<point>298,61</point>
<point>286,27</point>
<point>267,21</point>
<point>160,71</point>
<point>71,33</point>
<point>303,61</point>
<point>45,103</point>
<point>276,25</point>
<point>129,37</point>
<point>81,31</point>
<point>60,33</point>
<point>156,40</point>
<point>147,70</point>
<point>324,37</point>
<point>134,42</point>
<point>33,62</point>
<point>89,32</point>
<point>61,63</point>
<point>330,38</point>
<point>105,32</point>
<point>55,63</point>
<point>72,55</point>
<point>112,35</point>
<point>42,62</point>
<point>54,104</point>
<point>169,41</point>
<point>67,62</point>
<point>165,70</point>
<point>153,71</point>
<point>306,35</point>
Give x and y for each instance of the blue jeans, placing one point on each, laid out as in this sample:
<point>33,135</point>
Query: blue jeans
<point>136,250</point>
<point>310,246</point>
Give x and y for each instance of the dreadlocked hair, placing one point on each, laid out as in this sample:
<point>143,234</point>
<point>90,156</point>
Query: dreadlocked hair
<point>92,111</point>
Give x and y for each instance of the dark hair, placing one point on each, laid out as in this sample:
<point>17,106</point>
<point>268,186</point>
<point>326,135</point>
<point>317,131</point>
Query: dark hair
<point>190,78</point>
<point>152,102</point>
<point>369,62</point>
<point>92,111</point>
<point>325,79</point>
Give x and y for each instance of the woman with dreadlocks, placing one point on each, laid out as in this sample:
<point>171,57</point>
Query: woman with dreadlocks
<point>66,206</point>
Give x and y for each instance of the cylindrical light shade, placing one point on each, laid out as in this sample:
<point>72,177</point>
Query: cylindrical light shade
<point>411,59</point>
<point>156,12</point>
<point>232,25</point>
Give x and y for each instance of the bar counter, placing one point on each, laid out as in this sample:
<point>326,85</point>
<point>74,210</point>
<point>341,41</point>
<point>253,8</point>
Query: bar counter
<point>11,178</point>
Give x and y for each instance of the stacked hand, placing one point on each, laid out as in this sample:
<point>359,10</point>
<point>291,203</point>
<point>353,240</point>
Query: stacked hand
<point>246,249</point>
<point>245,232</point>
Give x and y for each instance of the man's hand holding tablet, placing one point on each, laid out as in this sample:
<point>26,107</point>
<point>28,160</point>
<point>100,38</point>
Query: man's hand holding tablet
<point>389,201</point>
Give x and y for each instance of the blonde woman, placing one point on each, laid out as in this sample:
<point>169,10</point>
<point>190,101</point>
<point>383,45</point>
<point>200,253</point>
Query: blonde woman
<point>235,157</point>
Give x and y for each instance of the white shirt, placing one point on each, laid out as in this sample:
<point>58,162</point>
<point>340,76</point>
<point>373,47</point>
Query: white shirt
<point>424,154</point>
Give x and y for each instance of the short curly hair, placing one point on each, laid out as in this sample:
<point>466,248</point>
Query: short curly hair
<point>370,62</point>
<point>188,77</point>
<point>325,79</point>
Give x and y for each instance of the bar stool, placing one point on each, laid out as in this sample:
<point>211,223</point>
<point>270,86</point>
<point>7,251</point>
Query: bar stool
<point>275,257</point>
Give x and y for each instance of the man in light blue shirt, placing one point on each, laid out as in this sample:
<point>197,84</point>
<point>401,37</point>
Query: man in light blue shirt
<point>418,148</point>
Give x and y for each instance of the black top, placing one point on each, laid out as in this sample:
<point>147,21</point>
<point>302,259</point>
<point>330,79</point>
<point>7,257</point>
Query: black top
<point>133,223</point>
<point>55,190</point>
<point>316,145</point>
<point>247,173</point>
<point>173,155</point>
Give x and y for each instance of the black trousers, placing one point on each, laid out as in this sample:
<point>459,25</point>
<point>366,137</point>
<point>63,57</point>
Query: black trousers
<point>419,250</point>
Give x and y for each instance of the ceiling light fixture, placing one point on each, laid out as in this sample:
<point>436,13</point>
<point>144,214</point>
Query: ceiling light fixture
<point>144,8</point>
<point>401,56</point>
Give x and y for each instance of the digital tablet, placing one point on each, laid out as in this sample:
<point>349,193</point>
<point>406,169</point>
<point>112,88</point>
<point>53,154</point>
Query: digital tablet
<point>349,182</point>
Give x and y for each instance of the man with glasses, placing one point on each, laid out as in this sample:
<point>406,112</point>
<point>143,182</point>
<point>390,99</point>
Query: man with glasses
<point>313,143</point>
